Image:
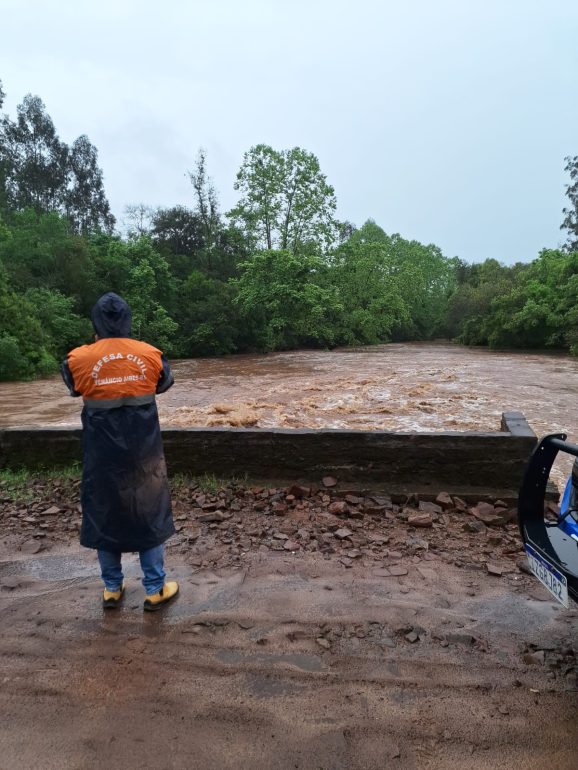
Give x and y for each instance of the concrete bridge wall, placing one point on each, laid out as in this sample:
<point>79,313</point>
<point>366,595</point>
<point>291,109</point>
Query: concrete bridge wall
<point>465,462</point>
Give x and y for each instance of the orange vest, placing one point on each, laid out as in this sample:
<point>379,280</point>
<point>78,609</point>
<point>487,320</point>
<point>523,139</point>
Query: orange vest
<point>115,368</point>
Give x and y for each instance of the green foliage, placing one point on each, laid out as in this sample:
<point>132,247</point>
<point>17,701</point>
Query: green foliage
<point>287,297</point>
<point>209,319</point>
<point>208,482</point>
<point>39,251</point>
<point>16,484</point>
<point>390,288</point>
<point>39,171</point>
<point>476,287</point>
<point>529,306</point>
<point>60,323</point>
<point>178,234</point>
<point>148,284</point>
<point>570,222</point>
<point>13,364</point>
<point>286,202</point>
<point>25,347</point>
<point>278,272</point>
<point>207,207</point>
<point>369,292</point>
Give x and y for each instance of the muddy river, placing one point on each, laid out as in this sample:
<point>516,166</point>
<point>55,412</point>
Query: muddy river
<point>399,387</point>
<point>416,386</point>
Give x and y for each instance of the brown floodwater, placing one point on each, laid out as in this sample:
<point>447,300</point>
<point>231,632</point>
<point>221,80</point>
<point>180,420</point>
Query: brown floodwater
<point>397,387</point>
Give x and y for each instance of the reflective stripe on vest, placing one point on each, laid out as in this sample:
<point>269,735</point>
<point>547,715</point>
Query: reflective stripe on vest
<point>114,403</point>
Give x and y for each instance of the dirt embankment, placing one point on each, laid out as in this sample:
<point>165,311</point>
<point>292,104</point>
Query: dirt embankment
<point>317,627</point>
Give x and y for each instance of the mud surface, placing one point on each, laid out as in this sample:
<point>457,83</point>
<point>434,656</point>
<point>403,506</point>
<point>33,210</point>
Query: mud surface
<point>311,631</point>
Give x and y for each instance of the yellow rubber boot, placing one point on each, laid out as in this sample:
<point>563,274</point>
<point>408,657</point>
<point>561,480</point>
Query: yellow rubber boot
<point>154,602</point>
<point>111,599</point>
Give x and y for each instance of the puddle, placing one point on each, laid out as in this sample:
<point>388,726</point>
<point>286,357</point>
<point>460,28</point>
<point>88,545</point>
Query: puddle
<point>63,567</point>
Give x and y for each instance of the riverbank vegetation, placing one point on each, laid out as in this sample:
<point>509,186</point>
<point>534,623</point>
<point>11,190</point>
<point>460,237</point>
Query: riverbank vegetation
<point>278,271</point>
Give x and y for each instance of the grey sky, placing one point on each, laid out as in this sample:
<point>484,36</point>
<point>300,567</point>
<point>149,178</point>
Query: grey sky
<point>444,120</point>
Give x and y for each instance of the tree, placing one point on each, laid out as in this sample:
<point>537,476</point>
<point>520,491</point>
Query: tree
<point>570,223</point>
<point>285,295</point>
<point>24,342</point>
<point>345,230</point>
<point>469,304</point>
<point>85,201</point>
<point>41,172</point>
<point>41,252</point>
<point>286,202</point>
<point>3,160</point>
<point>138,220</point>
<point>369,291</point>
<point>425,280</point>
<point>63,326</point>
<point>35,157</point>
<point>415,278</point>
<point>148,285</point>
<point>209,322</point>
<point>179,235</point>
<point>207,207</point>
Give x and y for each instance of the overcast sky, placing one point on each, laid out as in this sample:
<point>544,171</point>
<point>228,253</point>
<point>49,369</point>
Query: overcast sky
<point>444,120</point>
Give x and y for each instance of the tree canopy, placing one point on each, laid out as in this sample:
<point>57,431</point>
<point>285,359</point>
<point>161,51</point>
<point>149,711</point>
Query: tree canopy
<point>277,272</point>
<point>40,171</point>
<point>570,223</point>
<point>285,201</point>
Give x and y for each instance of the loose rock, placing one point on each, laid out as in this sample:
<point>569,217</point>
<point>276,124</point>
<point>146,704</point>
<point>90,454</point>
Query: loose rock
<point>207,518</point>
<point>445,501</point>
<point>420,519</point>
<point>475,525</point>
<point>430,508</point>
<point>299,492</point>
<point>51,511</point>
<point>534,658</point>
<point>31,546</point>
<point>343,533</point>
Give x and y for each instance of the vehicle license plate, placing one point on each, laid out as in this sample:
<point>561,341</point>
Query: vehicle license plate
<point>548,575</point>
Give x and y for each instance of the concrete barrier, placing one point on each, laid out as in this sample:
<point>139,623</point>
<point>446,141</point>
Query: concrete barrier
<point>459,462</point>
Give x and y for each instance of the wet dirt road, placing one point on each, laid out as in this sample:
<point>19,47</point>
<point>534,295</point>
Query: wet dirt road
<point>364,644</point>
<point>232,675</point>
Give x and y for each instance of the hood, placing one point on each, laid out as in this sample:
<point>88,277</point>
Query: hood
<point>111,316</point>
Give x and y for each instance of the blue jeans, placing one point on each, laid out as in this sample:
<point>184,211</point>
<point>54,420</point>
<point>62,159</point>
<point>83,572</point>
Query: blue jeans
<point>151,562</point>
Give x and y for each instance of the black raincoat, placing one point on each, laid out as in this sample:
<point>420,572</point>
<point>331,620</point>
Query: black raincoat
<point>125,494</point>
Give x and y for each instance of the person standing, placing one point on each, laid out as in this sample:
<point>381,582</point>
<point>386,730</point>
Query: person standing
<point>125,497</point>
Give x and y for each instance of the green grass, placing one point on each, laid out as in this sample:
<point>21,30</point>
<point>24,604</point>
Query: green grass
<point>14,485</point>
<point>18,485</point>
<point>208,482</point>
